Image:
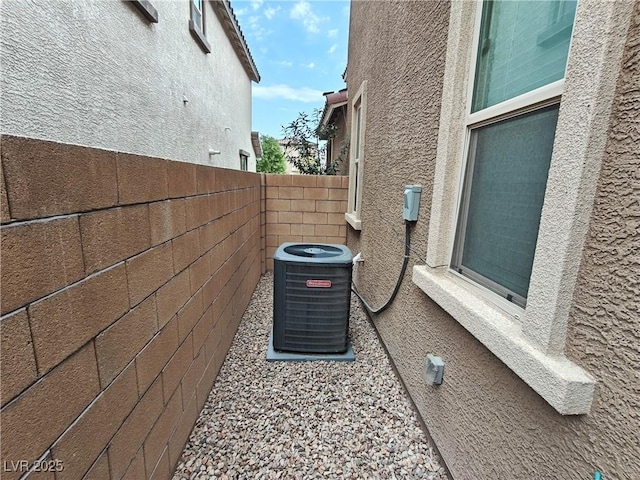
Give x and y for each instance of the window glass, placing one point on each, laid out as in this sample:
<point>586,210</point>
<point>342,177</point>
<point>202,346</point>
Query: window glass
<point>504,192</point>
<point>355,189</point>
<point>357,156</point>
<point>197,14</point>
<point>358,120</point>
<point>523,45</point>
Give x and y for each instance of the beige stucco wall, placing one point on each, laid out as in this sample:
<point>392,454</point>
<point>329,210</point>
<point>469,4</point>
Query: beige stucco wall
<point>388,49</point>
<point>485,420</point>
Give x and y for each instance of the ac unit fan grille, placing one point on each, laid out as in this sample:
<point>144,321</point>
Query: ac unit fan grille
<point>316,319</point>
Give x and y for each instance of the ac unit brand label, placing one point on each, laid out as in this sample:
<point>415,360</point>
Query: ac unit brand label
<point>319,283</point>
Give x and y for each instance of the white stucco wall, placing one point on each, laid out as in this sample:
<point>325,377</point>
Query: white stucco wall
<point>97,73</point>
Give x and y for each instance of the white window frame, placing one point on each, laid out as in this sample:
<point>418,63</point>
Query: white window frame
<point>530,341</point>
<point>198,24</point>
<point>548,95</point>
<point>199,11</point>
<point>356,157</point>
<point>244,159</point>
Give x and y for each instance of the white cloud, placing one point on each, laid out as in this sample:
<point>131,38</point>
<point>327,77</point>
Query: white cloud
<point>333,33</point>
<point>256,29</point>
<point>333,48</point>
<point>310,66</point>
<point>255,4</point>
<point>240,11</point>
<point>302,11</point>
<point>284,63</point>
<point>270,12</point>
<point>285,92</point>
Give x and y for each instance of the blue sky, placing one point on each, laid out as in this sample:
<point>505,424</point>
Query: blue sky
<point>300,49</point>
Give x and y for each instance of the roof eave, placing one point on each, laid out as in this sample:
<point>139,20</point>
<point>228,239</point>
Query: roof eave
<point>328,113</point>
<point>255,142</point>
<point>232,29</point>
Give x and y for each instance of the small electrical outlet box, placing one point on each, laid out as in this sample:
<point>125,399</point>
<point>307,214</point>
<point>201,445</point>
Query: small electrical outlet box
<point>433,370</point>
<point>411,202</point>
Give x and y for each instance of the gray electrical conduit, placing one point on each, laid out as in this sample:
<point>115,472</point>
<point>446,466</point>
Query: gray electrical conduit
<point>405,262</point>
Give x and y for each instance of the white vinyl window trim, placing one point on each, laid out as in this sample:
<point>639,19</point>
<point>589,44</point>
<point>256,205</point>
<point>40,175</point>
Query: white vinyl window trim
<point>533,100</point>
<point>196,13</point>
<point>244,160</point>
<point>197,24</point>
<point>530,341</point>
<point>536,100</point>
<point>356,156</point>
<point>510,109</point>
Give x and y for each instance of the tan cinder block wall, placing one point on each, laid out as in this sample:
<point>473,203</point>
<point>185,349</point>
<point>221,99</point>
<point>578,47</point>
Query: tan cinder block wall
<point>486,422</point>
<point>124,279</point>
<point>304,208</point>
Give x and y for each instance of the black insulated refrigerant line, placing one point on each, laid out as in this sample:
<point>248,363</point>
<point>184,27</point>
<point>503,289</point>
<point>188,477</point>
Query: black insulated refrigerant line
<point>405,262</point>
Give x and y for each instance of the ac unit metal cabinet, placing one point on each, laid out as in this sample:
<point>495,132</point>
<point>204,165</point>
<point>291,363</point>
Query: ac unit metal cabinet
<point>312,296</point>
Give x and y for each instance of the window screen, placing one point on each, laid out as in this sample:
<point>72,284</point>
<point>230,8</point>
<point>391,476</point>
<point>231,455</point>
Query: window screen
<point>502,200</point>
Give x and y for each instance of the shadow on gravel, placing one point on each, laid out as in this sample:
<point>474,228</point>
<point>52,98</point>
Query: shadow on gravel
<point>306,420</point>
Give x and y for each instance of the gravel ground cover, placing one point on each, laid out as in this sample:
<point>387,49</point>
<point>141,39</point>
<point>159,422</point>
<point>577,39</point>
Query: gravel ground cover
<point>306,420</point>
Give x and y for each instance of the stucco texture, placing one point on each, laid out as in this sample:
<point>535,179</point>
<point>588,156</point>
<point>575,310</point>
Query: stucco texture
<point>98,74</point>
<point>486,422</point>
<point>387,48</point>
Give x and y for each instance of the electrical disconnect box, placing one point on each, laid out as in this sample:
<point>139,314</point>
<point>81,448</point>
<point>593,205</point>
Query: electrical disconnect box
<point>433,370</point>
<point>411,202</point>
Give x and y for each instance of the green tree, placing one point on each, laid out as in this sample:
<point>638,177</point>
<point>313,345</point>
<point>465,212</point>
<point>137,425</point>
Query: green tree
<point>303,148</point>
<point>272,160</point>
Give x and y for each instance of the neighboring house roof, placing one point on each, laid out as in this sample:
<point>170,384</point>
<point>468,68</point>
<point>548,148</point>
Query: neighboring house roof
<point>336,97</point>
<point>232,29</point>
<point>255,142</point>
<point>334,100</point>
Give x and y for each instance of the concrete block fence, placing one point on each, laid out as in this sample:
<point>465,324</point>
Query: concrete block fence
<point>304,208</point>
<point>123,282</point>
